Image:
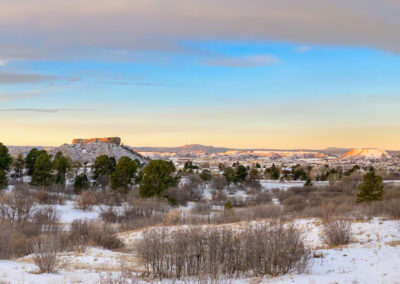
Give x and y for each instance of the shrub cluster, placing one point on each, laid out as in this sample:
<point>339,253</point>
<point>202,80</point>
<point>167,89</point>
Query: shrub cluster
<point>266,249</point>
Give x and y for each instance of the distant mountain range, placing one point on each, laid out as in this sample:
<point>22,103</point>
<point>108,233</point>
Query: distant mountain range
<point>202,149</point>
<point>198,149</point>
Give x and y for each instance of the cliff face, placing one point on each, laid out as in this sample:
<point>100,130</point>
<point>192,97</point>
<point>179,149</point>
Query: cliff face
<point>111,140</point>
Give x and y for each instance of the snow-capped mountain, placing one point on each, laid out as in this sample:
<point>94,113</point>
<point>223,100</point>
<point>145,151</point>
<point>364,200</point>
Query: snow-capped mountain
<point>366,153</point>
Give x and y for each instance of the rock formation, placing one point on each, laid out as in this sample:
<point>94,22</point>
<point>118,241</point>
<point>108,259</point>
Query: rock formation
<point>110,140</point>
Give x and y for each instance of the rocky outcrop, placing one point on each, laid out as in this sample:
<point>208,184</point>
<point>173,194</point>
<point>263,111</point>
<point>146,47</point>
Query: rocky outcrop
<point>111,140</point>
<point>88,152</point>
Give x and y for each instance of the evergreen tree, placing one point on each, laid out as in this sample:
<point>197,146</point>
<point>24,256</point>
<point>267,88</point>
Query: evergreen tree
<point>241,174</point>
<point>42,171</point>
<point>229,174</point>
<point>5,162</point>
<point>371,188</point>
<point>62,165</point>
<point>5,158</point>
<point>124,174</point>
<point>273,172</point>
<point>103,167</point>
<point>254,175</point>
<point>308,182</point>
<point>157,177</point>
<point>206,175</point>
<point>81,183</point>
<point>18,165</point>
<point>31,159</point>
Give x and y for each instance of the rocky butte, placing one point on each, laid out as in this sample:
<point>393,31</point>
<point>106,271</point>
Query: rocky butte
<point>110,140</point>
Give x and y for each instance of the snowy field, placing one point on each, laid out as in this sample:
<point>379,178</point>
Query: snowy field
<point>372,257</point>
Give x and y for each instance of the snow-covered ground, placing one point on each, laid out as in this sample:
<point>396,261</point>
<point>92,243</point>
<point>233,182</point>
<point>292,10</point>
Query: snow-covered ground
<point>69,213</point>
<point>284,185</point>
<point>372,257</point>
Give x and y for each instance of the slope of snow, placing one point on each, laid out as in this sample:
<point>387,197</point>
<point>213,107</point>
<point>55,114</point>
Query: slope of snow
<point>366,153</point>
<point>88,152</point>
<point>373,256</point>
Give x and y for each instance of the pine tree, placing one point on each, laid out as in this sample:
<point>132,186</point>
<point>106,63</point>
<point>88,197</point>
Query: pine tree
<point>42,171</point>
<point>3,180</point>
<point>371,188</point>
<point>18,165</point>
<point>5,158</point>
<point>62,165</point>
<point>124,174</point>
<point>103,167</point>
<point>81,183</point>
<point>5,162</point>
<point>156,177</point>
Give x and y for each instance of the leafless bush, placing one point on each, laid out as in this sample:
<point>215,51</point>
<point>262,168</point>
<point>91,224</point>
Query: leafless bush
<point>189,190</point>
<point>219,182</point>
<point>392,208</point>
<point>261,197</point>
<point>83,232</point>
<point>295,203</point>
<point>46,255</point>
<point>109,197</point>
<point>50,198</point>
<point>271,249</point>
<point>201,208</point>
<point>16,209</point>
<point>86,201</point>
<point>336,232</point>
<point>104,236</point>
<point>46,219</point>
<point>136,215</point>
<point>122,278</point>
<point>218,196</point>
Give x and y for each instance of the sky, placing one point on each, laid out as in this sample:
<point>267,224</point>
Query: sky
<point>246,74</point>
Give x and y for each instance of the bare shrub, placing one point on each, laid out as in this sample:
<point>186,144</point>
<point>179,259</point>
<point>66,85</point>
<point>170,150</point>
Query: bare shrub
<point>83,232</point>
<point>336,232</point>
<point>260,197</point>
<point>295,203</point>
<point>109,215</point>
<point>190,190</point>
<point>174,217</point>
<point>16,209</point>
<point>218,196</point>
<point>80,231</point>
<point>50,198</point>
<point>86,201</point>
<point>104,236</point>
<point>46,219</point>
<point>266,249</point>
<point>392,208</point>
<point>46,255</point>
<point>201,208</point>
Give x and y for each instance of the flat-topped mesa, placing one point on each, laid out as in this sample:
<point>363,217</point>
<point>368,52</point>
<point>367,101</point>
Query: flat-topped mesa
<point>110,140</point>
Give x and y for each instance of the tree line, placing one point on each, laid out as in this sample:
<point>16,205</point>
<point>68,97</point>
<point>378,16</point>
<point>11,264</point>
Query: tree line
<point>155,178</point>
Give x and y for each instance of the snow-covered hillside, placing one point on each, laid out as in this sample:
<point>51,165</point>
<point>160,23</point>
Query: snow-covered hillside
<point>89,151</point>
<point>366,153</point>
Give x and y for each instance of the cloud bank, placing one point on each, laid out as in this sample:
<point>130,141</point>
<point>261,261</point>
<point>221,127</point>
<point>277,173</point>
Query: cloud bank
<point>73,28</point>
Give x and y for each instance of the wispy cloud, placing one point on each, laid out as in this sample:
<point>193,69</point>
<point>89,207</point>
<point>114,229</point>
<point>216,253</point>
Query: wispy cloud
<point>303,48</point>
<point>133,82</point>
<point>18,78</point>
<point>46,110</point>
<point>20,95</point>
<point>246,61</point>
<point>2,63</point>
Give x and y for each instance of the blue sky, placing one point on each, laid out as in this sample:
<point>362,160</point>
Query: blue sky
<point>243,87</point>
